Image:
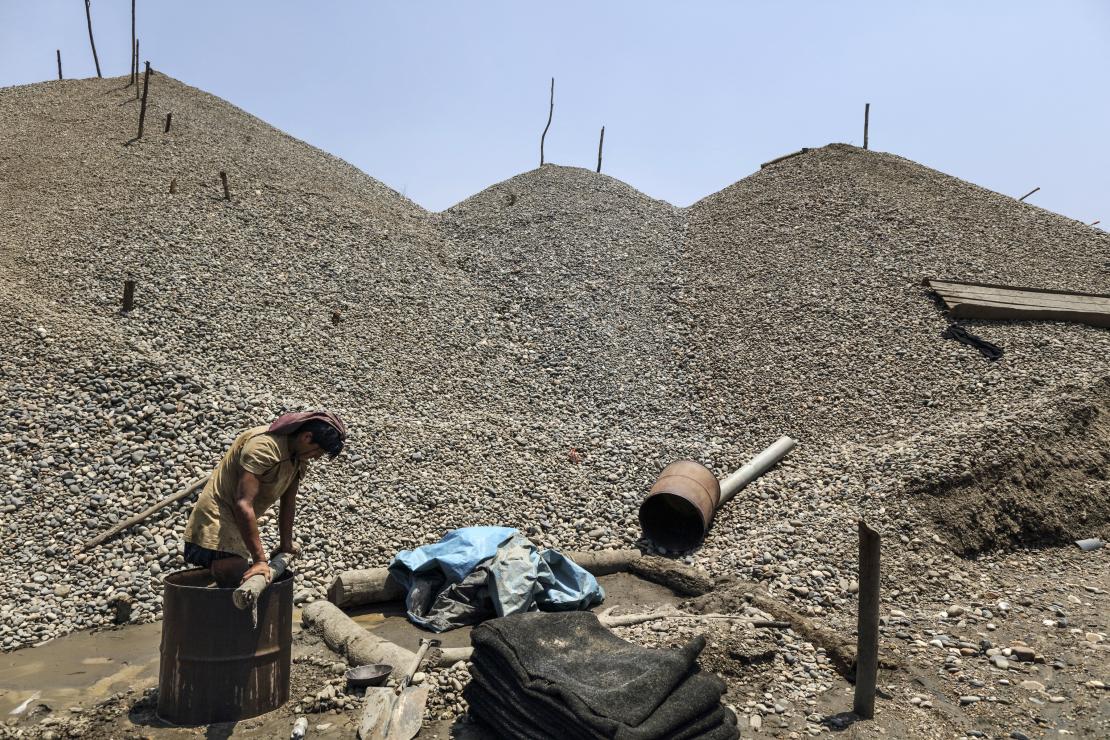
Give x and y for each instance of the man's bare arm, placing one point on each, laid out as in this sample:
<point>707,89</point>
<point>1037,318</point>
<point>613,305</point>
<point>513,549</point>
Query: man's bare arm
<point>244,515</point>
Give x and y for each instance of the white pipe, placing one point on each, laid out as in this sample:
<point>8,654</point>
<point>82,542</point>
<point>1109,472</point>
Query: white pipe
<point>754,468</point>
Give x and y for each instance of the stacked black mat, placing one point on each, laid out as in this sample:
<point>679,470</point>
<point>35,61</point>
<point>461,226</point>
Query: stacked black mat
<point>563,675</point>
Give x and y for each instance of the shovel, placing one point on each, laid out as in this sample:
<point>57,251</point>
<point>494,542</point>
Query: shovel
<point>389,716</point>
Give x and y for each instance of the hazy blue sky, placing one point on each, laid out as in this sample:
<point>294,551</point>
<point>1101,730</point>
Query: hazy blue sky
<point>441,99</point>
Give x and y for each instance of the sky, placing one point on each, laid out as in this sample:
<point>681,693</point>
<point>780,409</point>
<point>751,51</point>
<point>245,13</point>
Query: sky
<point>440,99</point>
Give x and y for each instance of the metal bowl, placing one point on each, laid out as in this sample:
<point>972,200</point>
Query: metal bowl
<point>368,675</point>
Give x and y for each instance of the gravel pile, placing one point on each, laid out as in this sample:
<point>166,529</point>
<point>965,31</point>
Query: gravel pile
<point>532,357</point>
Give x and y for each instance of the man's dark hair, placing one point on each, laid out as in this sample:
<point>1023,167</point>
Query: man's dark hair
<point>325,435</point>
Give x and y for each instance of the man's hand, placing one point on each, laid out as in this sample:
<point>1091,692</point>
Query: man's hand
<point>260,567</point>
<point>291,548</point>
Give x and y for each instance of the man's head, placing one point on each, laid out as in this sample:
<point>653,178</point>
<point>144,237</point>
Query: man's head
<point>315,438</point>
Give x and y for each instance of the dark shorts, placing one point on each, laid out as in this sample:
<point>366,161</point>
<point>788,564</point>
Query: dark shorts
<point>203,557</point>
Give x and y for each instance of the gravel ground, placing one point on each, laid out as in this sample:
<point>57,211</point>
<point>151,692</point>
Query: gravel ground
<point>532,356</point>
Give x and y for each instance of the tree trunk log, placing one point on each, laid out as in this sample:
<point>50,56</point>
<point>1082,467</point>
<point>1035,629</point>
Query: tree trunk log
<point>355,644</point>
<point>678,577</point>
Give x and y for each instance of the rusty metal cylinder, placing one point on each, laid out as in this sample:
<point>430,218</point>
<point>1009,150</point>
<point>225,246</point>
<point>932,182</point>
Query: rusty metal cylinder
<point>679,508</point>
<point>217,666</point>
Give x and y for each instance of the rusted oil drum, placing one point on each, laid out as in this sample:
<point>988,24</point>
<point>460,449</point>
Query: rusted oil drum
<point>216,665</point>
<point>679,508</point>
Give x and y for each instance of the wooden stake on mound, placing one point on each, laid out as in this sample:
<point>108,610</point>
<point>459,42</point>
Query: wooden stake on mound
<point>142,108</point>
<point>136,68</point>
<point>600,144</point>
<point>88,17</point>
<point>867,625</point>
<point>1029,193</point>
<point>227,191</point>
<point>173,186</point>
<point>134,51</point>
<point>59,64</point>
<point>550,112</point>
<point>169,120</point>
<point>128,295</point>
<point>866,120</point>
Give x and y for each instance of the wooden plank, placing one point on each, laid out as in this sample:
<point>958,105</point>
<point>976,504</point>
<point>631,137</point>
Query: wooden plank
<point>1011,312</point>
<point>1007,302</point>
<point>932,282</point>
<point>1025,297</point>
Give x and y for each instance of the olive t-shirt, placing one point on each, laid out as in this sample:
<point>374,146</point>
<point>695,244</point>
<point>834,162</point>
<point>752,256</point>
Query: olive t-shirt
<point>268,456</point>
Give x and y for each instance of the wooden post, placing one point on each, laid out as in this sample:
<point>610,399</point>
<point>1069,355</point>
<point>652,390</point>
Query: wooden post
<point>142,108</point>
<point>867,625</point>
<point>1094,223</point>
<point>128,295</point>
<point>59,64</point>
<point>134,52</point>
<point>136,68</point>
<point>227,191</point>
<point>600,144</point>
<point>1029,193</point>
<point>550,111</point>
<point>88,17</point>
<point>169,120</point>
<point>173,186</point>
<point>866,120</point>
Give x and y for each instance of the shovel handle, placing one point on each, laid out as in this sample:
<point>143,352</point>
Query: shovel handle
<point>425,645</point>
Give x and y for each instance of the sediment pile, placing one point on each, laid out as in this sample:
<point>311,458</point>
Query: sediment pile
<point>531,357</point>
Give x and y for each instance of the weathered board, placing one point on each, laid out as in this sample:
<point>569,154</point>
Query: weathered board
<point>984,301</point>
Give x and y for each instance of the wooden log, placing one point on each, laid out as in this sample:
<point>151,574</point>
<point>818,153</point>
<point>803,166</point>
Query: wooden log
<point>550,112</point>
<point>189,489</point>
<point>227,191</point>
<point>776,160</point>
<point>604,562</point>
<point>92,43</point>
<point>365,586</point>
<point>600,144</point>
<point>447,657</point>
<point>867,640</point>
<point>248,593</point>
<point>142,108</point>
<point>357,645</point>
<point>59,64</point>
<point>678,577</point>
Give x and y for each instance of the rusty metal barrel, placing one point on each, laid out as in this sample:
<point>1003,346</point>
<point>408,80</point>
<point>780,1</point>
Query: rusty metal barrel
<point>679,508</point>
<point>217,666</point>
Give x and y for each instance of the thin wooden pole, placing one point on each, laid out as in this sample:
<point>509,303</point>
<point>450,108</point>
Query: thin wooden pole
<point>59,64</point>
<point>128,295</point>
<point>173,186</point>
<point>550,112</point>
<point>169,120</point>
<point>195,485</point>
<point>142,108</point>
<point>866,121</point>
<point>134,55</point>
<point>227,191</point>
<point>1094,223</point>
<point>600,144</point>
<point>867,625</point>
<point>88,17</point>
<point>1029,193</point>
<point>136,69</point>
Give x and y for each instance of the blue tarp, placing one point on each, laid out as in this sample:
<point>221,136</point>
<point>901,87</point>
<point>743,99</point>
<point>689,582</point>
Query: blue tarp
<point>476,573</point>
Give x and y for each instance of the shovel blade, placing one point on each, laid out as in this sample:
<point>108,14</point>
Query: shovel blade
<point>408,714</point>
<point>377,709</point>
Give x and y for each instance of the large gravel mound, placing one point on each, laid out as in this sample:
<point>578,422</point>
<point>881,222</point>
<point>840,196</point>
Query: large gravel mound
<point>531,357</point>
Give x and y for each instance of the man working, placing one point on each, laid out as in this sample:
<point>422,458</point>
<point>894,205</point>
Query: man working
<point>264,464</point>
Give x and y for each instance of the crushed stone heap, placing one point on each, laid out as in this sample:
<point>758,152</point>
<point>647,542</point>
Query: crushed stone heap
<point>531,357</point>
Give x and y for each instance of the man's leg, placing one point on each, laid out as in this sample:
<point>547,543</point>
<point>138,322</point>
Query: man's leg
<point>228,572</point>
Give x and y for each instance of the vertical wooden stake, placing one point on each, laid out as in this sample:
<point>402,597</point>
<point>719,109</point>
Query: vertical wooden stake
<point>173,186</point>
<point>867,625</point>
<point>169,120</point>
<point>134,51</point>
<point>88,17</point>
<point>550,111</point>
<point>227,191</point>
<point>128,295</point>
<point>866,120</point>
<point>600,144</point>
<point>136,69</point>
<point>142,108</point>
<point>59,64</point>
